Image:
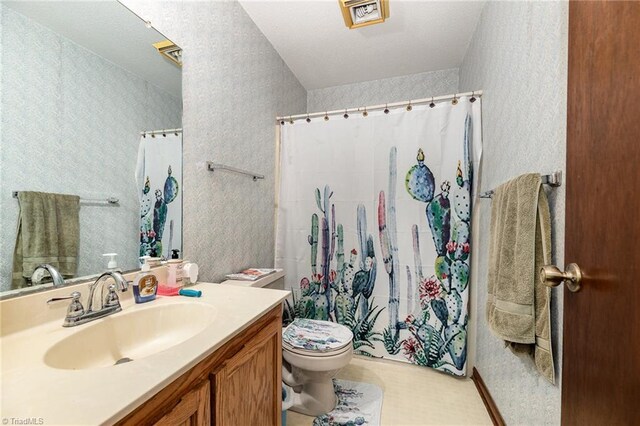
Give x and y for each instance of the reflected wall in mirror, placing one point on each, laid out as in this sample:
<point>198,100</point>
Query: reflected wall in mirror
<point>79,82</point>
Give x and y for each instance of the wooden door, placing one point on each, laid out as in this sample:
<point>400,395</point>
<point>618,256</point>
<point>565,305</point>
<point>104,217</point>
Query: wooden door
<point>191,410</point>
<point>248,388</point>
<point>601,350</point>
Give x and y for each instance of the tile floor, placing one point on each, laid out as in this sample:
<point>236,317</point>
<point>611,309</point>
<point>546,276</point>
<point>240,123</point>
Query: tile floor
<point>414,395</point>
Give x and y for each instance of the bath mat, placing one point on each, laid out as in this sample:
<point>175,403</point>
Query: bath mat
<point>358,404</point>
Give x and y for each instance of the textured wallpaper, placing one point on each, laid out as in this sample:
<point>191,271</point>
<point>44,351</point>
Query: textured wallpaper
<point>71,123</point>
<point>395,89</point>
<point>518,56</point>
<point>234,85</point>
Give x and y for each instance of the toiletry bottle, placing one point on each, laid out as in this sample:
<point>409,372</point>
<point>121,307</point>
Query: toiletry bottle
<point>175,268</point>
<point>112,265</point>
<point>175,254</point>
<point>145,286</point>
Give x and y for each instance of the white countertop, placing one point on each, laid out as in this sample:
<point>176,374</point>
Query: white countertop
<point>32,389</point>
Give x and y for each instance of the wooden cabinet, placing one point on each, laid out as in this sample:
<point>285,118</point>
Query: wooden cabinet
<point>247,389</point>
<point>238,384</point>
<point>193,409</point>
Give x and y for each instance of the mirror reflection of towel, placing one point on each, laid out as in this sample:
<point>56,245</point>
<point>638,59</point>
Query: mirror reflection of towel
<point>48,232</point>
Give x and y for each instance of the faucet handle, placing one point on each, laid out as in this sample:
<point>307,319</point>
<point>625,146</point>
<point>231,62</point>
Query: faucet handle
<point>75,308</point>
<point>75,296</point>
<point>112,298</point>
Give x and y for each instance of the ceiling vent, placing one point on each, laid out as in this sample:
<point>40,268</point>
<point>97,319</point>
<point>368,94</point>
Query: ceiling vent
<point>360,13</point>
<point>170,51</point>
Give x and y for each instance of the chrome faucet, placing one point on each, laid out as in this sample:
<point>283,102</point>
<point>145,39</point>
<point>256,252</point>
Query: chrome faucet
<point>57,278</point>
<point>109,301</point>
<point>76,314</point>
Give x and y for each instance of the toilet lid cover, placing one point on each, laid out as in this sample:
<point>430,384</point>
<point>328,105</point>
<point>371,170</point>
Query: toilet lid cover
<point>316,335</point>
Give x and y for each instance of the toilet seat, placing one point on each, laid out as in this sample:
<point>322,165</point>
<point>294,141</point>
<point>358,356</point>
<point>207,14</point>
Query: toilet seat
<point>312,353</point>
<point>316,338</point>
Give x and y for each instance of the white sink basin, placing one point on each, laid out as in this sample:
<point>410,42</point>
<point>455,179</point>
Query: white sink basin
<point>130,336</point>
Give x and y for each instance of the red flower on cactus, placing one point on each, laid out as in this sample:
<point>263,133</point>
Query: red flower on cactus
<point>304,283</point>
<point>332,276</point>
<point>429,289</point>
<point>316,278</point>
<point>410,319</point>
<point>354,252</point>
<point>451,246</point>
<point>151,234</point>
<point>410,347</point>
<point>465,248</point>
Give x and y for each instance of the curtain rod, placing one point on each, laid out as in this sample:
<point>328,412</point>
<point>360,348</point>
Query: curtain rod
<point>162,132</point>
<point>393,105</point>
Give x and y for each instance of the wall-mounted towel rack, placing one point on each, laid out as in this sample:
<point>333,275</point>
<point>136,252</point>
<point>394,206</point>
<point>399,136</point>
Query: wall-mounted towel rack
<point>111,201</point>
<point>553,179</point>
<point>215,166</point>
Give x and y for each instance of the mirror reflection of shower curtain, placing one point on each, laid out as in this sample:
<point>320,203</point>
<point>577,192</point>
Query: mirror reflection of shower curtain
<point>374,227</point>
<point>159,183</point>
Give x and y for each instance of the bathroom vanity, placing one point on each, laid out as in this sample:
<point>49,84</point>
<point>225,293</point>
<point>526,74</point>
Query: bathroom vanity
<point>176,360</point>
<point>238,384</point>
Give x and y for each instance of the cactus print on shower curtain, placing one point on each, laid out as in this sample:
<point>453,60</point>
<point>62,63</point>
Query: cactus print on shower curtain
<point>339,290</point>
<point>375,229</point>
<point>437,330</point>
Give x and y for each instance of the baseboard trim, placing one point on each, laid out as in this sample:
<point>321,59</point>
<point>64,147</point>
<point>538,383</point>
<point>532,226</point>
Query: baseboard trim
<point>489,403</point>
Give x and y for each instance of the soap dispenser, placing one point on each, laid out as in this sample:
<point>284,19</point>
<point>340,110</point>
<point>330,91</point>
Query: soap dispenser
<point>112,265</point>
<point>145,285</point>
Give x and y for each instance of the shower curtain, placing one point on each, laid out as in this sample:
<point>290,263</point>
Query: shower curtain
<point>159,180</point>
<point>374,226</point>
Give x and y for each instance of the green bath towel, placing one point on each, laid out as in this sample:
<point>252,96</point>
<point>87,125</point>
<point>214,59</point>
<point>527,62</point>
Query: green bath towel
<point>48,232</point>
<point>520,244</point>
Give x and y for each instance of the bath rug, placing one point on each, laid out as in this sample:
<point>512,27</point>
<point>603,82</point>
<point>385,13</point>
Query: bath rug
<point>358,404</point>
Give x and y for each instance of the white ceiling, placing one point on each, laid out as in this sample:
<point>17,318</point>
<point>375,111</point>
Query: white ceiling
<point>111,31</point>
<point>311,37</point>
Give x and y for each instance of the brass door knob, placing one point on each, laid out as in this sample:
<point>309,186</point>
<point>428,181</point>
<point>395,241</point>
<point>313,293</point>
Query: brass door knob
<point>551,276</point>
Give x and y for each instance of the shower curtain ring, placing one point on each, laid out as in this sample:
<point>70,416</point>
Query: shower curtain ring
<point>308,119</point>
<point>454,101</point>
<point>164,134</point>
<point>365,113</point>
<point>282,122</point>
<point>345,114</point>
<point>409,107</point>
<point>290,120</point>
<point>326,116</point>
<point>473,97</point>
<point>386,108</point>
<point>432,104</point>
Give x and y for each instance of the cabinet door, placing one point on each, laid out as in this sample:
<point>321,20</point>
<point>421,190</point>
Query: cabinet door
<point>193,409</point>
<point>248,389</point>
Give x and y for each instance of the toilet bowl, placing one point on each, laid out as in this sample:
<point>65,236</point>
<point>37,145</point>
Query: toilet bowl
<point>313,353</point>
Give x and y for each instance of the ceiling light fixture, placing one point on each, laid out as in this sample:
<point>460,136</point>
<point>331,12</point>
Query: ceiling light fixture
<point>170,51</point>
<point>360,13</point>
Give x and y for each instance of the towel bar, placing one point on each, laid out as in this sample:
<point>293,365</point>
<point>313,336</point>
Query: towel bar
<point>554,179</point>
<point>111,201</point>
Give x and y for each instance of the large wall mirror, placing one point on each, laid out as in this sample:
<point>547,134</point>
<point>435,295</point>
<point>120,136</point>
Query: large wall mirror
<point>79,83</point>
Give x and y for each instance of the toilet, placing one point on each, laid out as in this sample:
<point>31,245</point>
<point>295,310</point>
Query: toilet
<point>313,353</point>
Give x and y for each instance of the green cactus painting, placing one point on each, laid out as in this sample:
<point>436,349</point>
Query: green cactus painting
<point>340,290</point>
